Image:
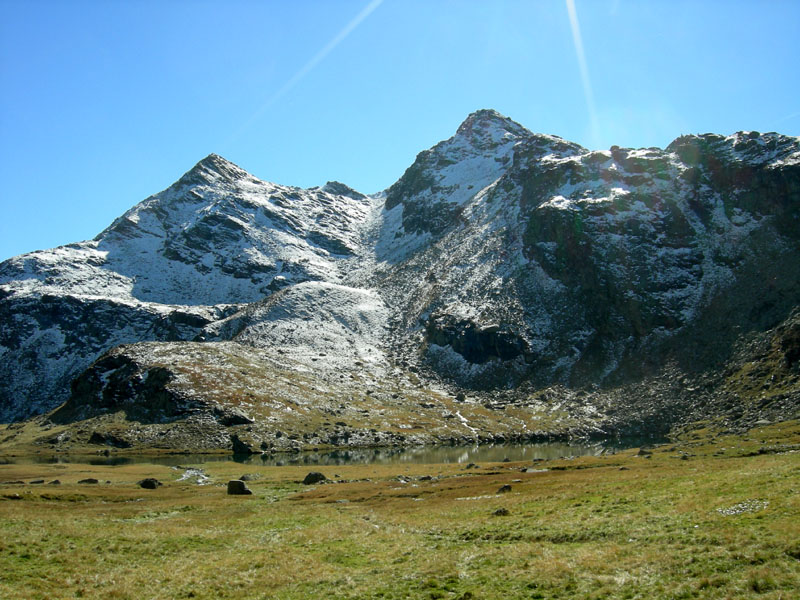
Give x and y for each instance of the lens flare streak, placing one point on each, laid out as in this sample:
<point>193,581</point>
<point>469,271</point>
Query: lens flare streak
<point>584,69</point>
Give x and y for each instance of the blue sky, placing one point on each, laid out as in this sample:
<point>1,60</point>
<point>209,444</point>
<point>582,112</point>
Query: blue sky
<point>104,103</point>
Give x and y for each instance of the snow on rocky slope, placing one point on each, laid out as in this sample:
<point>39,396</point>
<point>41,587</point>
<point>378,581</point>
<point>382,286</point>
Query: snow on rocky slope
<point>324,326</point>
<point>215,240</point>
<point>579,267</point>
<point>502,261</point>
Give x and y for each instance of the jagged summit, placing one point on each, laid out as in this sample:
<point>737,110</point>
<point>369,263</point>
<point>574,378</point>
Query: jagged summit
<point>213,168</point>
<point>214,160</point>
<point>489,124</point>
<point>454,170</point>
<point>340,189</point>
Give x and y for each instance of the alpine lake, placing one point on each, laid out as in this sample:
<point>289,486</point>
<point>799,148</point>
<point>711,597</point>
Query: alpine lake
<point>475,453</point>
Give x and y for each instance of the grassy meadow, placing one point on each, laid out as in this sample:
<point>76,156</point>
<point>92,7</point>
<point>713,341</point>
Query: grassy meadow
<point>710,516</point>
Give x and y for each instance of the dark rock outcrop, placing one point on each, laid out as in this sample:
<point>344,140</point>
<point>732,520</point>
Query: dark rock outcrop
<point>237,487</point>
<point>475,343</point>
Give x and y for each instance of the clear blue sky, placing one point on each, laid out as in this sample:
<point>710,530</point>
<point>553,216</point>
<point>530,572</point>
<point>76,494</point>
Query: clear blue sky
<point>104,103</point>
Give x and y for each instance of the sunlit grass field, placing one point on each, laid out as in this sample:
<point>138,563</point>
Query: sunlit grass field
<point>710,516</point>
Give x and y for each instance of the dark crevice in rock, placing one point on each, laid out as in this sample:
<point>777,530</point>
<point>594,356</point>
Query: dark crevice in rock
<point>476,344</point>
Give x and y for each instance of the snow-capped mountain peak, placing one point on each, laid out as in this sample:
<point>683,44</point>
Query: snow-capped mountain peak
<point>211,169</point>
<point>500,259</point>
<point>486,128</point>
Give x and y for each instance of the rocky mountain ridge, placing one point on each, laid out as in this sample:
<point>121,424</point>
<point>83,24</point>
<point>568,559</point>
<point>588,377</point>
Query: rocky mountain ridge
<point>507,269</point>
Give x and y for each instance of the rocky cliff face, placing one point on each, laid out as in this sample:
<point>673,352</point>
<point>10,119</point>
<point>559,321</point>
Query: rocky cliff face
<point>501,264</point>
<point>577,267</point>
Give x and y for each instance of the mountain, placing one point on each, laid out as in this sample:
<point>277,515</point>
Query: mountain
<point>509,284</point>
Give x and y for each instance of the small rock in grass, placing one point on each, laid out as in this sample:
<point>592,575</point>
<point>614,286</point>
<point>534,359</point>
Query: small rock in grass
<point>36,481</point>
<point>250,477</point>
<point>54,482</point>
<point>501,512</point>
<point>91,480</point>
<point>237,487</point>
<point>504,488</point>
<point>149,483</point>
<point>314,477</point>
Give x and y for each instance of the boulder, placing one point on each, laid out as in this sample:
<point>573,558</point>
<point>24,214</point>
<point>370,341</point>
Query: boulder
<point>314,477</point>
<point>149,483</point>
<point>229,416</point>
<point>237,487</point>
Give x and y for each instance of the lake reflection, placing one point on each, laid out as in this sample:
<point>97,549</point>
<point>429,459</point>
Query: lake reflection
<point>392,455</point>
<point>449,454</point>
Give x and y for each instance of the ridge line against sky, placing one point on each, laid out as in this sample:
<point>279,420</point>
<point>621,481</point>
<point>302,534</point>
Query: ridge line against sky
<point>96,116</point>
